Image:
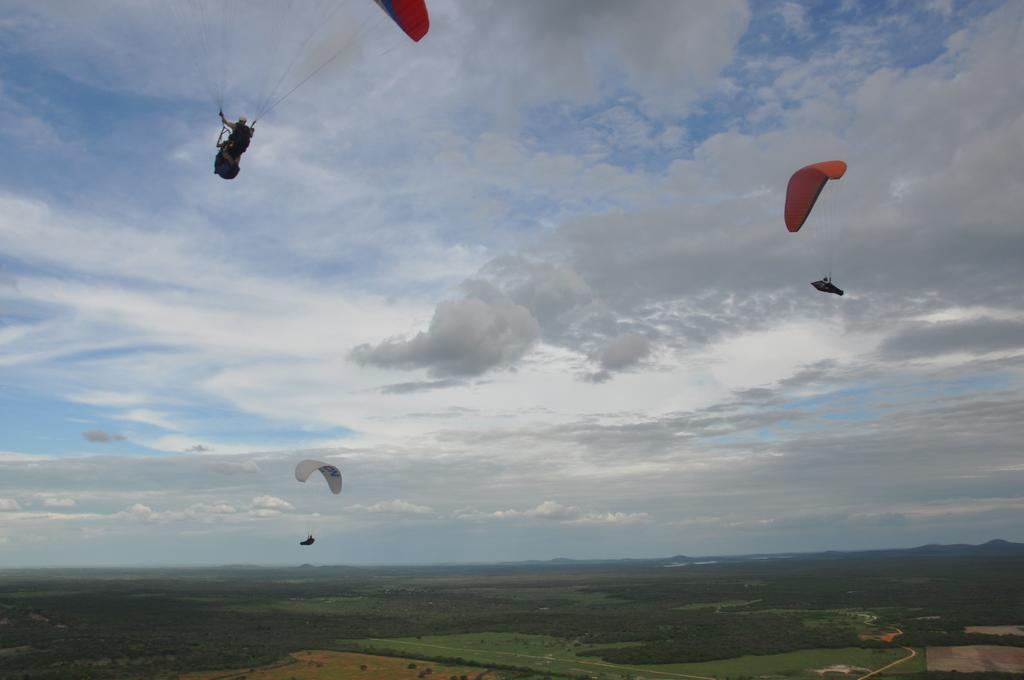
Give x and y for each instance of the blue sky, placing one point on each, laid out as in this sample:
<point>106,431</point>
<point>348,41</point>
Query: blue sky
<point>525,282</point>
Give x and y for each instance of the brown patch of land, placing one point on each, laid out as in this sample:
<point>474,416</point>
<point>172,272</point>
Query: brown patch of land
<point>328,665</point>
<point>995,630</point>
<point>884,637</point>
<point>976,659</point>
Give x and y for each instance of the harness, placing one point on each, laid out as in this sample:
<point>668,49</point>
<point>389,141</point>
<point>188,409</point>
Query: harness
<point>225,129</point>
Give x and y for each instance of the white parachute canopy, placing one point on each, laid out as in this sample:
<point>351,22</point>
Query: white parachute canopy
<point>332,474</point>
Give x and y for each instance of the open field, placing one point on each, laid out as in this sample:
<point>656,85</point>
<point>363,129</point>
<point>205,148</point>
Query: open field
<point>976,659</point>
<point>995,630</point>
<point>719,606</point>
<point>726,620</point>
<point>327,665</point>
<point>563,656</point>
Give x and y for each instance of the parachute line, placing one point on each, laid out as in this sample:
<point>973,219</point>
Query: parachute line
<point>344,48</point>
<point>179,21</point>
<point>325,13</point>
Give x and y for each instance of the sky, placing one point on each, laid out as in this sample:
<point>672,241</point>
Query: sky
<point>525,282</point>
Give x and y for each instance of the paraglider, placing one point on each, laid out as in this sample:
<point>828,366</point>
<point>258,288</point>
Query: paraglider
<point>298,40</point>
<point>802,192</point>
<point>410,15</point>
<point>332,476</point>
<point>826,286</point>
<point>230,150</point>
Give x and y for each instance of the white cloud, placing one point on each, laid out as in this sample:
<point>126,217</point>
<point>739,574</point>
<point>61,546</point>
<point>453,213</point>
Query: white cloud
<point>12,457</point>
<point>234,467</point>
<point>52,502</point>
<point>149,417</point>
<point>264,513</point>
<point>795,17</point>
<point>7,504</point>
<point>271,503</point>
<point>201,509</point>
<point>466,337</point>
<point>554,511</point>
<point>614,518</point>
<point>145,513</point>
<point>396,507</point>
<point>203,512</point>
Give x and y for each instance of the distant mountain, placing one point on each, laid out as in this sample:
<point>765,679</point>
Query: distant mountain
<point>993,548</point>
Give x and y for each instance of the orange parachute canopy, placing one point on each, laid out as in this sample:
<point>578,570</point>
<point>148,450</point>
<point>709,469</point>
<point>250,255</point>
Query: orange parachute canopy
<point>804,187</point>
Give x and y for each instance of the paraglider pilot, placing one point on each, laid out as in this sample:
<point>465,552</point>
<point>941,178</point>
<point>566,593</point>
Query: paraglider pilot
<point>309,540</point>
<point>231,149</point>
<point>826,286</point>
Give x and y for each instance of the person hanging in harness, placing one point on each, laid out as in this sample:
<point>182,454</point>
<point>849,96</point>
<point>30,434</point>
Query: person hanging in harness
<point>826,286</point>
<point>226,164</point>
<point>309,540</point>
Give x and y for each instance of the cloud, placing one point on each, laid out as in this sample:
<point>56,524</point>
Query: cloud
<point>201,509</point>
<point>974,336</point>
<point>198,448</point>
<point>203,512</point>
<point>556,295</point>
<point>518,303</point>
<point>268,506</point>
<point>420,386</point>
<point>8,504</point>
<point>394,507</point>
<point>145,513</point>
<point>234,467</point>
<point>271,503</point>
<point>619,353</point>
<point>613,518</point>
<point>148,417</point>
<point>554,511</point>
<point>795,17</point>
<point>11,457</point>
<point>577,50</point>
<point>466,337</point>
<point>942,7</point>
<point>101,437</point>
<point>52,502</point>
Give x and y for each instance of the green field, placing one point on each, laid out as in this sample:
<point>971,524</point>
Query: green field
<point>561,656</point>
<point>724,604</point>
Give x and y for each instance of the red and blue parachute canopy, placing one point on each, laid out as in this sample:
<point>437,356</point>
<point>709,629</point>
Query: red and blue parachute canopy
<point>804,187</point>
<point>410,15</point>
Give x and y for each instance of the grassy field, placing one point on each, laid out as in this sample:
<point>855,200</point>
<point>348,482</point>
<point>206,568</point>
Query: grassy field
<point>724,604</point>
<point>327,665</point>
<point>800,664</point>
<point>560,656</point>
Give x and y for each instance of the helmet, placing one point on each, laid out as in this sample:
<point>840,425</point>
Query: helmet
<point>243,120</point>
